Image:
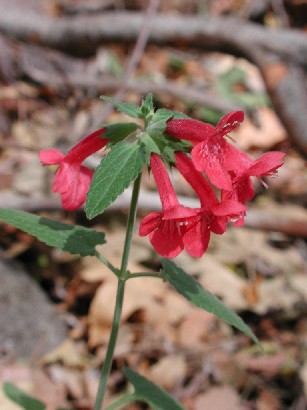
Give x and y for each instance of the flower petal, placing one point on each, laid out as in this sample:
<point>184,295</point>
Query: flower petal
<point>72,182</point>
<point>167,239</point>
<point>266,164</point>
<point>150,223</point>
<point>197,181</point>
<point>228,208</point>
<point>165,188</point>
<point>208,157</point>
<point>196,239</point>
<point>51,157</point>
<point>179,212</point>
<point>230,122</point>
<point>87,146</point>
<point>191,130</point>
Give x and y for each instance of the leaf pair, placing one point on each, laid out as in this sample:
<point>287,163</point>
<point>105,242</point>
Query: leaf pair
<point>79,240</point>
<point>145,391</point>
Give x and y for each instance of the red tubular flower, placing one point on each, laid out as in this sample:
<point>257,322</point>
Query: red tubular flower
<point>72,179</point>
<point>211,151</point>
<point>242,188</point>
<point>212,216</point>
<point>165,234</point>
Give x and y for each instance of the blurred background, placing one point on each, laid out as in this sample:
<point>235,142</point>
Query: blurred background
<point>203,58</point>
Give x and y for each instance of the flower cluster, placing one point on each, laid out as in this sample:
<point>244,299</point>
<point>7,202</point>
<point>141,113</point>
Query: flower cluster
<point>73,179</point>
<point>213,164</point>
<point>176,227</point>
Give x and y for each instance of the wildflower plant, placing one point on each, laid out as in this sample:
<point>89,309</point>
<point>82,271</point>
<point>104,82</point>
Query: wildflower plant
<point>218,172</point>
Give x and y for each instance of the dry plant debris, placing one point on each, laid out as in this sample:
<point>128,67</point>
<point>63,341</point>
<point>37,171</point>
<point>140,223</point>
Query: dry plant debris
<point>49,98</point>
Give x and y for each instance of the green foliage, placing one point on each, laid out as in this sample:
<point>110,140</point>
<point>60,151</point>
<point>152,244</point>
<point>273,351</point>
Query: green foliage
<point>113,175</point>
<point>164,146</point>
<point>210,115</point>
<point>119,131</point>
<point>126,108</point>
<point>198,296</point>
<point>149,392</point>
<point>22,399</point>
<point>147,107</point>
<point>176,63</point>
<point>115,66</point>
<point>74,239</point>
<point>163,114</point>
<point>156,142</point>
<point>249,100</point>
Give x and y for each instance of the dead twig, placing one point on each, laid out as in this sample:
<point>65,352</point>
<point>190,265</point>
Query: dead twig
<point>136,55</point>
<point>261,45</point>
<point>149,201</point>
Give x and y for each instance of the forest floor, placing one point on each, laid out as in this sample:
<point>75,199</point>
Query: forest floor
<point>49,98</point>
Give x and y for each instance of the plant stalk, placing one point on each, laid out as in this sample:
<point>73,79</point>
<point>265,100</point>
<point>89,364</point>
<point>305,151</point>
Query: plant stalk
<point>122,277</point>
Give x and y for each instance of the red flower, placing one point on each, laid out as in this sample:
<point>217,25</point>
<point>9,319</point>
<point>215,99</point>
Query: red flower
<point>211,151</point>
<point>212,216</point>
<point>242,188</point>
<point>72,179</point>
<point>165,233</point>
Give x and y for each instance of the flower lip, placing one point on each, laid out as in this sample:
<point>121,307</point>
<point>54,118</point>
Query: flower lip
<point>72,180</point>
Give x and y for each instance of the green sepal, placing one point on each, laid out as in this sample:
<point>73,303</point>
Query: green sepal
<point>164,114</point>
<point>164,146</point>
<point>118,132</point>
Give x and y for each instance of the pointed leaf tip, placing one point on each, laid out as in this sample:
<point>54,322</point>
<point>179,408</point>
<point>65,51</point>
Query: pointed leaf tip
<point>200,297</point>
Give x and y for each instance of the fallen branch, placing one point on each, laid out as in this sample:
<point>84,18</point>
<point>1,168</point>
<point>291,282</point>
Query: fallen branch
<point>265,47</point>
<point>84,33</point>
<point>150,201</point>
<point>55,69</point>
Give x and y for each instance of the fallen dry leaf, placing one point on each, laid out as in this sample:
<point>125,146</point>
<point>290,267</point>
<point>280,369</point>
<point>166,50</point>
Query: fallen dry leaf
<point>269,132</point>
<point>194,329</point>
<point>219,398</point>
<point>168,371</point>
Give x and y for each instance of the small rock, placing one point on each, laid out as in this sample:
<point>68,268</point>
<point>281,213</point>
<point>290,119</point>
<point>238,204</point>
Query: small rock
<point>29,324</point>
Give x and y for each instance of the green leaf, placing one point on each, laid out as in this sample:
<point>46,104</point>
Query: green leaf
<point>156,129</point>
<point>198,296</point>
<point>163,114</point>
<point>114,65</point>
<point>113,175</point>
<point>229,78</point>
<point>71,238</point>
<point>147,391</point>
<point>127,108</point>
<point>21,398</point>
<point>150,145</point>
<point>119,131</point>
<point>210,115</point>
<point>249,100</point>
<point>147,107</point>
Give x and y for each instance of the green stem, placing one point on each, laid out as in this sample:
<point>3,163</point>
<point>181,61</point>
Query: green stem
<point>146,275</point>
<point>122,277</point>
<point>106,263</point>
<point>130,226</point>
<point>111,345</point>
<point>123,400</point>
